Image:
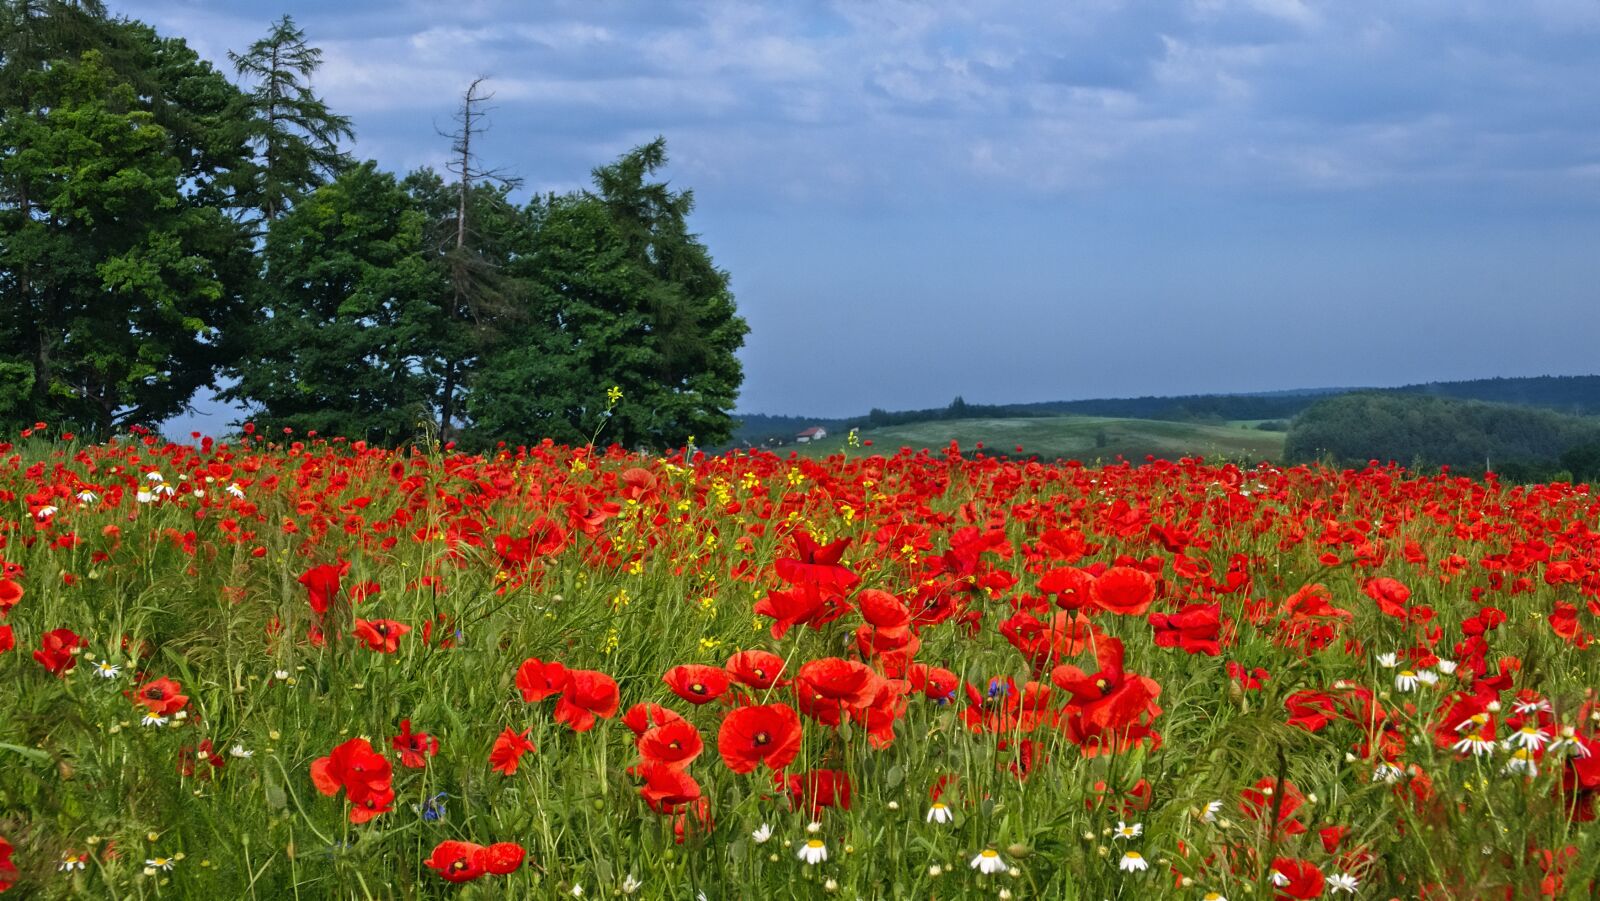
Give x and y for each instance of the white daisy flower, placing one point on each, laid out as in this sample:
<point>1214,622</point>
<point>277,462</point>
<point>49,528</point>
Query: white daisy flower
<point>105,669</point>
<point>1569,742</point>
<point>1387,661</point>
<point>631,884</point>
<point>988,861</point>
<point>1213,896</point>
<point>1279,879</point>
<point>1343,882</point>
<point>762,833</point>
<point>159,863</point>
<point>1126,831</point>
<point>150,719</point>
<point>1211,810</point>
<point>87,497</point>
<point>939,812</point>
<point>1387,773</point>
<point>72,861</point>
<point>143,495</point>
<point>45,512</point>
<point>813,852</point>
<point>1533,706</point>
<point>235,490</point>
<point>1478,744</point>
<point>1522,763</point>
<point>154,476</point>
<point>241,752</point>
<point>1406,680</point>
<point>1448,667</point>
<point>1133,862</point>
<point>1531,738</point>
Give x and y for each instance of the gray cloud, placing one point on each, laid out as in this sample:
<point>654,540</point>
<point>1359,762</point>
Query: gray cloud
<point>869,170</point>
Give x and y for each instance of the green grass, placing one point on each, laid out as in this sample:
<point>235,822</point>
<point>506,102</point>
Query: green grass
<point>1086,438</point>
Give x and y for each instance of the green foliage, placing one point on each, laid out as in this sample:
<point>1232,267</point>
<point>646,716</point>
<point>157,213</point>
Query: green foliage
<point>1433,431</point>
<point>349,315</point>
<point>116,272</point>
<point>1583,461</point>
<point>620,295</point>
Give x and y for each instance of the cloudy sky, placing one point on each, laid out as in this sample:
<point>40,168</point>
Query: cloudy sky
<point>1038,200</point>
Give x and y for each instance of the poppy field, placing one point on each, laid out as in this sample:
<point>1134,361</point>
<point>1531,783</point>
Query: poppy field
<point>316,669</point>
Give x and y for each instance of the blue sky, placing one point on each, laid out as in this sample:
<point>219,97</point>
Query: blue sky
<point>1042,200</point>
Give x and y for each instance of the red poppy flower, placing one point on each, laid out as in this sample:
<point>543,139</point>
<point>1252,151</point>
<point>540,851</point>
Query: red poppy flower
<point>845,681</point>
<point>10,594</point>
<point>322,585</point>
<point>162,697</point>
<point>816,564</point>
<point>1258,803</point>
<point>1293,878</point>
<point>587,694</point>
<point>883,610</point>
<point>1390,594</point>
<point>667,789</point>
<point>1194,628</point>
<point>538,680</point>
<point>674,744</point>
<point>1580,779</point>
<point>8,870</point>
<point>464,861</point>
<point>189,760</point>
<point>57,651</point>
<point>503,858</point>
<point>756,669</point>
<point>636,484</point>
<point>8,639</point>
<point>936,682</point>
<point>768,734</point>
<point>1125,590</point>
<point>456,861</point>
<point>381,635</point>
<point>806,604</point>
<point>696,682</point>
<point>640,718</point>
<point>1073,587</point>
<point>814,790</point>
<point>508,750</point>
<point>415,747</point>
<point>362,773</point>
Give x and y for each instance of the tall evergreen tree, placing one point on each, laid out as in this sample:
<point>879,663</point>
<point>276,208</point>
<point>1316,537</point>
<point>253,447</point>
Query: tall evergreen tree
<point>349,315</point>
<point>621,295</point>
<point>295,135</point>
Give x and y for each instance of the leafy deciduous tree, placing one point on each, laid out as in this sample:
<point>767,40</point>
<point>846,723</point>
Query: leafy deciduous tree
<point>349,314</point>
<point>623,295</point>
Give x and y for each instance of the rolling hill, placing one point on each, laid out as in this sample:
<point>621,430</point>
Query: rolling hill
<point>1086,438</point>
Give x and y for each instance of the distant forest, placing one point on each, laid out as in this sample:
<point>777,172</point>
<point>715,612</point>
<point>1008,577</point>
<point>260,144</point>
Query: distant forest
<point>1578,394</point>
<point>1431,431</point>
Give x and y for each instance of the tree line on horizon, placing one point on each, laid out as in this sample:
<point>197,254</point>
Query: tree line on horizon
<point>166,229</point>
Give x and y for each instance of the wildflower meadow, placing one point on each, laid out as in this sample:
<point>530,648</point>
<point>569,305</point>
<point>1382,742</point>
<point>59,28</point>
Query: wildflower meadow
<point>292,667</point>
